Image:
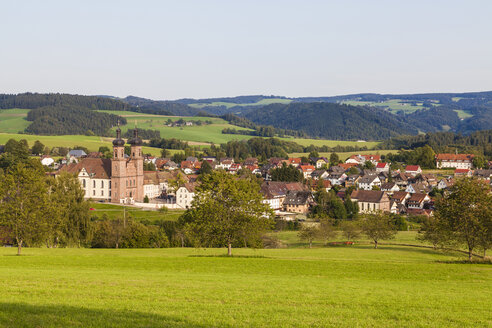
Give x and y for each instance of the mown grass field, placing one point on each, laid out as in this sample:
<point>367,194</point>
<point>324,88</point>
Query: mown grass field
<point>393,105</point>
<point>117,211</point>
<point>13,120</point>
<point>91,142</point>
<point>262,102</point>
<point>357,286</point>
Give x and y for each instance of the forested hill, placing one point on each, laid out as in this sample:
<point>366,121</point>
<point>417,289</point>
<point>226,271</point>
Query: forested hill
<point>160,107</point>
<point>36,100</point>
<point>332,121</point>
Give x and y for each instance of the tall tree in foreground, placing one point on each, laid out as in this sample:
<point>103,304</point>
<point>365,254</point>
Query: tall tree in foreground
<point>227,211</point>
<point>464,216</point>
<point>24,204</point>
<point>378,226</point>
<point>350,229</point>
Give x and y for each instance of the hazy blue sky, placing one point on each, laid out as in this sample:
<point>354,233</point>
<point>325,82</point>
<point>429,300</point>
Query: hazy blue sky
<point>176,49</point>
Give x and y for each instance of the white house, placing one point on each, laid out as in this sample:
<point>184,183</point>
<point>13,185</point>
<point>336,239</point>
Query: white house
<point>413,170</point>
<point>185,195</point>
<point>47,161</point>
<point>457,161</point>
<point>382,167</point>
<point>367,182</point>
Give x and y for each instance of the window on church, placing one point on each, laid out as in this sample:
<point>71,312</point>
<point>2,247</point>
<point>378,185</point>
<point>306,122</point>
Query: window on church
<point>116,154</point>
<point>102,192</point>
<point>94,184</point>
<point>102,184</point>
<point>83,183</point>
<point>93,193</point>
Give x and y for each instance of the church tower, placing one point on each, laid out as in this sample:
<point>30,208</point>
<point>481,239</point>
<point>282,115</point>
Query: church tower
<point>118,169</point>
<point>136,157</point>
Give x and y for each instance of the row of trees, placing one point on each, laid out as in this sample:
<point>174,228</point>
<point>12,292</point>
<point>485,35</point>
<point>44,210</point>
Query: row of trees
<point>376,226</point>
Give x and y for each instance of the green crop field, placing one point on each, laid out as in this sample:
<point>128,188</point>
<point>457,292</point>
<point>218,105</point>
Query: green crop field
<point>13,120</point>
<point>463,114</point>
<point>344,155</point>
<point>262,102</point>
<point>332,143</point>
<point>393,105</point>
<point>356,286</point>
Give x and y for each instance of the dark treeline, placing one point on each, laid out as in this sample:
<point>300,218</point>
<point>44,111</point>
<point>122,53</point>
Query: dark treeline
<point>148,106</point>
<point>36,100</point>
<point>259,130</point>
<point>168,144</point>
<point>64,120</point>
<point>270,147</point>
<point>144,134</point>
<point>479,142</point>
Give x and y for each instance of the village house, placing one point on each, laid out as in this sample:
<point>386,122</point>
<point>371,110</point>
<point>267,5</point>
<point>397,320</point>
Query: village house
<point>275,192</point>
<point>319,162</point>
<point>225,163</point>
<point>463,173</point>
<point>294,161</point>
<point>298,201</point>
<point>47,160</point>
<point>418,200</point>
<point>390,187</point>
<point>361,159</point>
<point>367,182</point>
<point>413,170</point>
<point>445,183</point>
<point>400,197</point>
<point>185,195</point>
<point>319,174</point>
<point>418,188</point>
<point>351,180</point>
<point>337,179</point>
<point>483,174</point>
<point>457,161</point>
<point>371,200</point>
<point>382,167</point>
<point>306,170</point>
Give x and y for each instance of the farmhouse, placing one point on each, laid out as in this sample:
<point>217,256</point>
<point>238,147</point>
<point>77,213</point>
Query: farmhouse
<point>367,182</point>
<point>457,161</point>
<point>185,195</point>
<point>413,170</point>
<point>298,201</point>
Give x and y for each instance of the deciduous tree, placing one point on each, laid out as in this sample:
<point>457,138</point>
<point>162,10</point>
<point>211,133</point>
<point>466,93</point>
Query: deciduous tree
<point>378,226</point>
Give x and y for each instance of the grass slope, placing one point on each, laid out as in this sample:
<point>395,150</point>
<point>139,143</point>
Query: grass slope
<point>323,287</point>
<point>13,120</point>
<point>92,143</point>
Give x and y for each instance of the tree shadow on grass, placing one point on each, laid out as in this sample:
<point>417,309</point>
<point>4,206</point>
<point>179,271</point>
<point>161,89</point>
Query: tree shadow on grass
<point>26,315</point>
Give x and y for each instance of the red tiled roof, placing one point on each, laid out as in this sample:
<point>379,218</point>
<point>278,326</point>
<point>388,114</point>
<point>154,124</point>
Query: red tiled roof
<point>454,157</point>
<point>412,168</point>
<point>381,165</point>
<point>99,167</point>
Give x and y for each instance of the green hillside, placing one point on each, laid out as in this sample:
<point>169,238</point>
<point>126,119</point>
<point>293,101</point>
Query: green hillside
<point>13,120</point>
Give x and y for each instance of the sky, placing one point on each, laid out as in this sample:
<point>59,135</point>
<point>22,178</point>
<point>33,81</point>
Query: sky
<point>167,50</point>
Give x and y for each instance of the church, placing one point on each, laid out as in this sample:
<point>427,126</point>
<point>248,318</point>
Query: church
<point>119,179</point>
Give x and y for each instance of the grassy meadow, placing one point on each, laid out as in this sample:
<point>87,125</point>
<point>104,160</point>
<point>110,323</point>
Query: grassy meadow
<point>356,286</point>
<point>13,120</point>
<point>393,105</point>
<point>262,102</point>
<point>116,211</point>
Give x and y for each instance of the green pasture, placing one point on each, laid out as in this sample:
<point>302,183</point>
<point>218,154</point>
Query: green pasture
<point>13,120</point>
<point>91,142</point>
<point>332,143</point>
<point>463,113</point>
<point>344,155</point>
<point>262,102</point>
<point>355,286</point>
<point>393,105</point>
<point>118,211</point>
